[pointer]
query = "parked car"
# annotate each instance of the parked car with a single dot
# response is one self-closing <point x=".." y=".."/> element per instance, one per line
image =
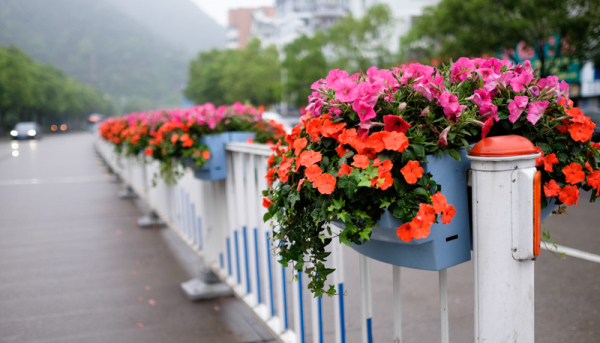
<point x="27" y="130"/>
<point x="594" y="114"/>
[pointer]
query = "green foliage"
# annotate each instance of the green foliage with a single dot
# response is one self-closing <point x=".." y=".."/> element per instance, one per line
<point x="457" y="28"/>
<point x="226" y="76"/>
<point x="41" y="92"/>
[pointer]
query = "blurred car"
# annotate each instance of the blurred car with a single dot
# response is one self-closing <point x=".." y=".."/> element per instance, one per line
<point x="594" y="114"/>
<point x="26" y="130"/>
<point x="288" y="121"/>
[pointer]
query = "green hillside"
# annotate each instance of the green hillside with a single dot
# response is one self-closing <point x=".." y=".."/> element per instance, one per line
<point x="102" y="45"/>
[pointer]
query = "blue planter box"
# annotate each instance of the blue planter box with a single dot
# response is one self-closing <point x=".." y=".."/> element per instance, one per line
<point x="216" y="168"/>
<point x="446" y="245"/>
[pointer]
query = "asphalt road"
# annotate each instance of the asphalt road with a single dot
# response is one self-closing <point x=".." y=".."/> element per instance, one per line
<point x="75" y="268"/>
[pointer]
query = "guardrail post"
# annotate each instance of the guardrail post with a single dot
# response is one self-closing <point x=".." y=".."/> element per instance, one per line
<point x="503" y="170"/>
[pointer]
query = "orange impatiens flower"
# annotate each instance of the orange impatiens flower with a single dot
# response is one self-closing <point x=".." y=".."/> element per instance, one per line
<point x="284" y="168"/>
<point x="412" y="172"/>
<point x="588" y="167"/>
<point x="574" y="173"/>
<point x="551" y="189"/>
<point x="314" y="128"/>
<point x="360" y="161"/>
<point x="271" y="160"/>
<point x="341" y="151"/>
<point x="376" y="141"/>
<point x="325" y="183"/>
<point x="313" y="172"/>
<point x="404" y="232"/>
<point x="206" y="154"/>
<point x="300" y="184"/>
<point x="174" y="138"/>
<point x="267" y="202"/>
<point x="448" y="214"/>
<point x="148" y="151"/>
<point x="299" y="144"/>
<point x="426" y="213"/>
<point x="540" y="160"/>
<point x="396" y="141"/>
<point x="420" y="228"/>
<point x="439" y="202"/>
<point x="271" y="177"/>
<point x="388" y="181"/>
<point x="569" y="195"/>
<point x="548" y="161"/>
<point x="582" y="132"/>
<point x="345" y="170"/>
<point x="331" y="129"/>
<point x="187" y="141"/>
<point x="309" y="157"/>
<point x="594" y="180"/>
<point x="347" y="136"/>
<point x="384" y="166"/>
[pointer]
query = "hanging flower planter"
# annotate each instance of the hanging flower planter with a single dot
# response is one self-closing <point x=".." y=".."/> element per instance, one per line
<point x="446" y="245"/>
<point x="216" y="165"/>
<point x="384" y="153"/>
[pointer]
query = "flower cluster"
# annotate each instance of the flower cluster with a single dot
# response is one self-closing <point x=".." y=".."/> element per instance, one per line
<point x="172" y="135"/>
<point x="360" y="149"/>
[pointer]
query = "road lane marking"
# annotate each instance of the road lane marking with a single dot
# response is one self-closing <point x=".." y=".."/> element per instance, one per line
<point x="572" y="252"/>
<point x="80" y="179"/>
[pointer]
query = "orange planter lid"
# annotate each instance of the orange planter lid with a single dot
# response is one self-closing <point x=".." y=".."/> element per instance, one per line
<point x="511" y="145"/>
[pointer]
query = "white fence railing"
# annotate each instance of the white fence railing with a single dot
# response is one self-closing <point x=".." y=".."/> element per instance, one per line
<point x="222" y="222"/>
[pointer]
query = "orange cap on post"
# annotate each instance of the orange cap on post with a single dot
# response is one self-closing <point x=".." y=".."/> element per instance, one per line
<point x="502" y="146"/>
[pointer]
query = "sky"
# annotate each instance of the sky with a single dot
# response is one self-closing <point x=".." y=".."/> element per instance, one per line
<point x="219" y="9"/>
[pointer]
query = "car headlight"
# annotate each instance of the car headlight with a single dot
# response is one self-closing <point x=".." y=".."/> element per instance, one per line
<point x="31" y="132"/>
<point x="14" y="133"/>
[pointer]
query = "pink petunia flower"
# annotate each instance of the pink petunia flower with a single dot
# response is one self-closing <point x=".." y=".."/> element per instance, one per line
<point x="364" y="92"/>
<point x="536" y="110"/>
<point x="521" y="82"/>
<point x="335" y="75"/>
<point x="516" y="107"/>
<point x="452" y="108"/>
<point x="344" y="90"/>
<point x="364" y="110"/>
<point x="461" y="69"/>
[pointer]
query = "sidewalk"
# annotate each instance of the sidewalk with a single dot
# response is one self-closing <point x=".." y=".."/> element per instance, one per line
<point x="74" y="267"/>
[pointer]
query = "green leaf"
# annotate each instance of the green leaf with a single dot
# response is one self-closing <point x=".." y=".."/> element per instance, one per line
<point x="407" y="155"/>
<point x="419" y="150"/>
<point x="364" y="183"/>
<point x="348" y="185"/>
<point x="267" y="216"/>
<point x="454" y="154"/>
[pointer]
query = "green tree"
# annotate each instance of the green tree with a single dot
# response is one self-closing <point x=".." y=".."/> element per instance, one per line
<point x="226" y="76"/>
<point x="358" y="44"/>
<point x="305" y="63"/>
<point x="456" y="28"/>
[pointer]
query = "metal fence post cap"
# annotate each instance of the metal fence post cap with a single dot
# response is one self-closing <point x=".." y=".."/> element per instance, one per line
<point x="503" y="146"/>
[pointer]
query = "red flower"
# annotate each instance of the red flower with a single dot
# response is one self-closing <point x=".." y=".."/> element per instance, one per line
<point x="384" y="166"/>
<point x="393" y="123"/>
<point x="439" y="202"/>
<point x="569" y="195"/>
<point x="331" y="129"/>
<point x="376" y="141"/>
<point x="551" y="189"/>
<point x="271" y="160"/>
<point x="206" y="154"/>
<point x="361" y="161"/>
<point x="345" y="170"/>
<point x="588" y="167"/>
<point x="341" y="151"/>
<point x="404" y="232"/>
<point x="325" y="183"/>
<point x="309" y="157"/>
<point x="549" y="160"/>
<point x="582" y="129"/>
<point x="412" y="172"/>
<point x="313" y="172"/>
<point x="174" y="138"/>
<point x="249" y="140"/>
<point x="420" y="228"/>
<point x="148" y="151"/>
<point x="300" y="184"/>
<point x="539" y="160"/>
<point x="187" y="141"/>
<point x="396" y="141"/>
<point x="388" y="181"/>
<point x="448" y="214"/>
<point x="300" y="144"/>
<point x="573" y="173"/>
<point x="486" y="127"/>
<point x="347" y="136"/>
<point x="426" y="213"/>
<point x="314" y="128"/>
<point x="267" y="202"/>
<point x="594" y="180"/>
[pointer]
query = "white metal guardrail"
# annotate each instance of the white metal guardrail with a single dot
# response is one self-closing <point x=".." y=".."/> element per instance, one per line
<point x="222" y="222"/>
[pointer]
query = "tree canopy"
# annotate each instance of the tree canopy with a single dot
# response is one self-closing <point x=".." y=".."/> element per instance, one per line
<point x="226" y="76"/>
<point x="456" y="28"/>
<point x="32" y="91"/>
